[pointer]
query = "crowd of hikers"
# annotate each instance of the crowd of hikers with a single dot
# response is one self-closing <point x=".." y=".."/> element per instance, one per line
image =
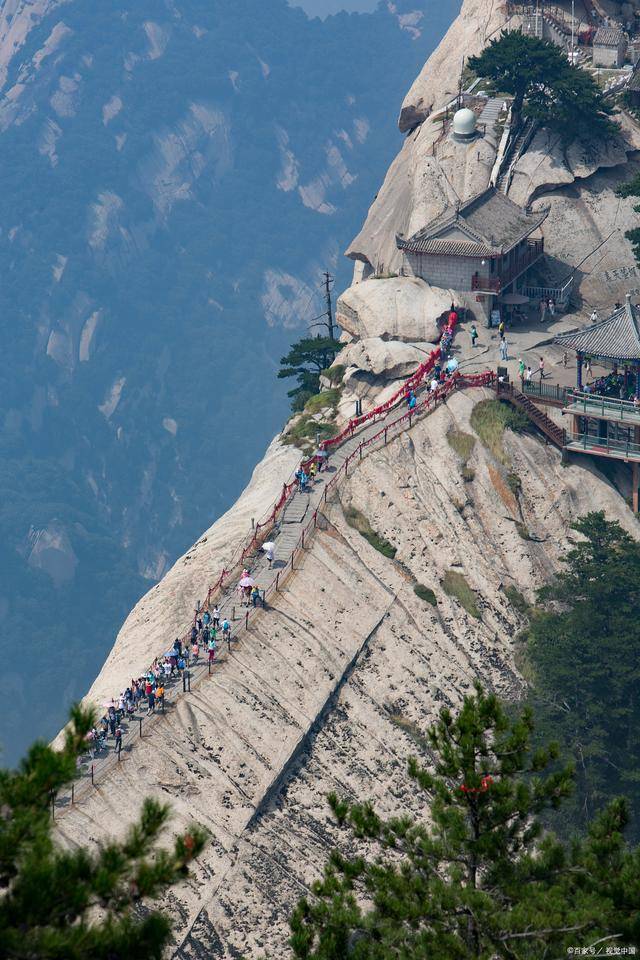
<point x="146" y="694"/>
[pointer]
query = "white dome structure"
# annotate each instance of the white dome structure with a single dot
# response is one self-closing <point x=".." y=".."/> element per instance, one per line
<point x="464" y="124"/>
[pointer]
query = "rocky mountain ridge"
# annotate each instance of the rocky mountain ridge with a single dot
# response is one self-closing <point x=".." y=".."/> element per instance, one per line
<point x="333" y="683"/>
<point x="198" y="134"/>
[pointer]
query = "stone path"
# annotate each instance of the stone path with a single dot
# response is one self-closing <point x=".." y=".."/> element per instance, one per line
<point x="491" y="112"/>
<point x="286" y="537"/>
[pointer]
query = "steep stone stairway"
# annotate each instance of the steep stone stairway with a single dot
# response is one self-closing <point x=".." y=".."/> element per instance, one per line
<point x="504" y="179"/>
<point x="551" y="430"/>
<point x="491" y="112"/>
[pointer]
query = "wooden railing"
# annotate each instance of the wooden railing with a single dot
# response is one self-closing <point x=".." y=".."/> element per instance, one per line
<point x="550" y="429"/>
<point x="534" y="250"/>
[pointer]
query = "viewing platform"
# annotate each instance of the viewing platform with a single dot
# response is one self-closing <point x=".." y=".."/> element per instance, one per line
<point x="624" y="450"/>
<point x="601" y="408"/>
<point x="582" y="404"/>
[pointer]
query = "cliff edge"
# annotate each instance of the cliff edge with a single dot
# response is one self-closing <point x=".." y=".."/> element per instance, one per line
<point x="329" y="685"/>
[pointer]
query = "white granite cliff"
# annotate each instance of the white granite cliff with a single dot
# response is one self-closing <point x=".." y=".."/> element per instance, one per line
<point x="309" y="701"/>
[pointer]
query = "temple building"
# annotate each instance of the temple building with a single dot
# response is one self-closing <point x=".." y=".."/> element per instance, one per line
<point x="482" y="246"/>
<point x="605" y="411"/>
<point x="609" y="47"/>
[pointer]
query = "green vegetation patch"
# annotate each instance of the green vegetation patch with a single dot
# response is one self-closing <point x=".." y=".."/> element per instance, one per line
<point x="410" y="727"/>
<point x="490" y="418"/>
<point x="468" y="474"/>
<point x="455" y="585"/>
<point x="463" y="443"/>
<point x="514" y="483"/>
<point x="328" y="398"/>
<point x="304" y="431"/>
<point x="523" y="531"/>
<point x="356" y="519"/>
<point x="516" y="599"/>
<point x="425" y="593"/>
<point x="335" y="373"/>
<point x="583" y="648"/>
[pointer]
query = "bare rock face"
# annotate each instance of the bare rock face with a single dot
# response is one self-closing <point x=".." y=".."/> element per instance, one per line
<point x="548" y="163"/>
<point x="437" y="82"/>
<point x="586" y="229"/>
<point x="398" y="308"/>
<point x="389" y="359"/>
<point x="166" y="610"/>
<point x="52" y="552"/>
<point x="430" y="173"/>
<point x="309" y="702"/>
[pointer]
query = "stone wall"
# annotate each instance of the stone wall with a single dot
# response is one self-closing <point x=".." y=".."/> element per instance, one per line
<point x="442" y="271"/>
<point x="608" y="56"/>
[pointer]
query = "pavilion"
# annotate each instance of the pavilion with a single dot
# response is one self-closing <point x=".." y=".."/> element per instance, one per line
<point x="615" y="343"/>
<point x="605" y="413"/>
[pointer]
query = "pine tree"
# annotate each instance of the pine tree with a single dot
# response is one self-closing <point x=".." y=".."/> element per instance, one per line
<point x="545" y="85"/>
<point x="478" y="878"/>
<point x="583" y="644"/>
<point x="80" y="904"/>
<point x="305" y="361"/>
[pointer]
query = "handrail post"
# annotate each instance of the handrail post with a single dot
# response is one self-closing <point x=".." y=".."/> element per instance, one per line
<point x="92" y="780"/>
<point x="246" y="620"/>
<point x="140" y="731"/>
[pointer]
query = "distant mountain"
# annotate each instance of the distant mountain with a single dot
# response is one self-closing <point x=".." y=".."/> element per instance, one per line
<point x="175" y="176"/>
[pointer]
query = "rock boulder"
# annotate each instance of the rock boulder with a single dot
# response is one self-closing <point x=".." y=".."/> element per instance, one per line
<point x="388" y="359"/>
<point x="398" y="308"/>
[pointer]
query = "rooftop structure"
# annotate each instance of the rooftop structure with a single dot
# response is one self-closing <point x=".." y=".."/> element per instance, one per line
<point x="608" y="37"/>
<point x="615" y="339"/>
<point x="605" y="412"/>
<point x="487" y="225"/>
<point x="609" y="47"/>
<point x="481" y="245"/>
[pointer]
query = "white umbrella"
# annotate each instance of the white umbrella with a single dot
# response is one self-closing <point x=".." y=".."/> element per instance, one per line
<point x="247" y="582"/>
<point x="268" y="546"/>
<point x="514" y="298"/>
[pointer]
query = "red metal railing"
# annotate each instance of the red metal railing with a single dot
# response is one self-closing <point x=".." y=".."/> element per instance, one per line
<point x="263" y="528"/>
<point x="389" y="431"/>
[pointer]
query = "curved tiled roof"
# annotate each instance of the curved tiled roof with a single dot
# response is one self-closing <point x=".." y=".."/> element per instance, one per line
<point x="453" y="248"/>
<point x="490" y="225"/>
<point x="616" y="338"/>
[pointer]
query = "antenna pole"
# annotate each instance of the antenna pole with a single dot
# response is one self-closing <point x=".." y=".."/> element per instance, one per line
<point x="328" y="280"/>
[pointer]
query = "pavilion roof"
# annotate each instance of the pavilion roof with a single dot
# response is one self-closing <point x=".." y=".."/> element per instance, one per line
<point x="607" y="37"/>
<point x="616" y="338"/>
<point x="487" y="225"/>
